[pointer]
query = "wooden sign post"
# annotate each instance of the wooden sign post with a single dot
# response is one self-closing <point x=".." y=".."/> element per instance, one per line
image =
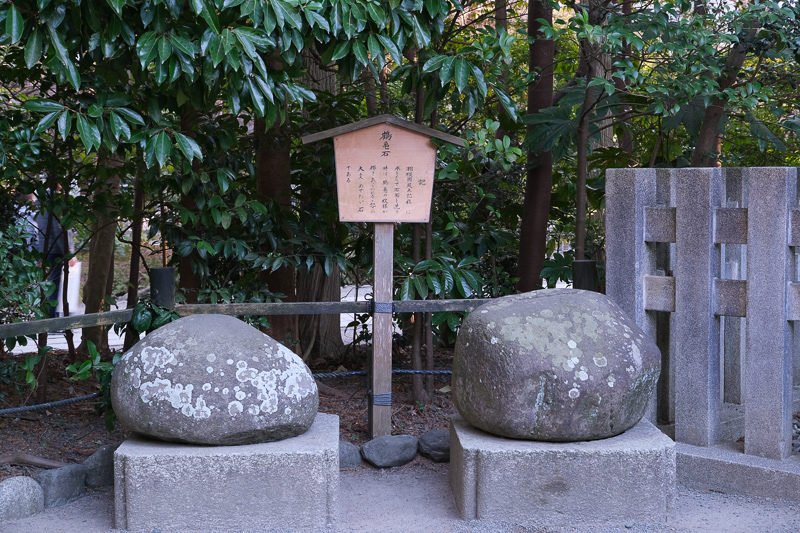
<point x="384" y="174"/>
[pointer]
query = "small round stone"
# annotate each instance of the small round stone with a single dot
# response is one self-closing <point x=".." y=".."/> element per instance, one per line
<point x="169" y="386"/>
<point x="559" y="365"/>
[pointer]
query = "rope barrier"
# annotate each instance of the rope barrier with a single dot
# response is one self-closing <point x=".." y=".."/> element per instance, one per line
<point x="60" y="403"/>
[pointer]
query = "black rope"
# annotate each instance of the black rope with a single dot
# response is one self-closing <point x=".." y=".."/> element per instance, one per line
<point x="61" y="403"/>
<point x="428" y="372"/>
<point x="47" y="405"/>
<point x="340" y="374"/>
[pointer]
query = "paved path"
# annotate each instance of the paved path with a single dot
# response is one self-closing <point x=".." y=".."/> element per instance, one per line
<point x="417" y="498"/>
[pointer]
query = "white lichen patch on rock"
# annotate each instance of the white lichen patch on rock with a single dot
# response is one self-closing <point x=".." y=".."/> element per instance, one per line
<point x="154" y="357"/>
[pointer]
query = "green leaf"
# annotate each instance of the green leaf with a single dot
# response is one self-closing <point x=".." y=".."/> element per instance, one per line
<point x="315" y="19"/>
<point x="131" y="116"/>
<point x="209" y="14"/>
<point x="376" y="13"/>
<point x="392" y="48"/>
<point x="141" y="317"/>
<point x="64" y="124"/>
<point x="164" y="49"/>
<point x="226" y="220"/>
<point x="117" y="6"/>
<point x="507" y="104"/>
<point x="188" y="147"/>
<point x="434" y="63"/>
<point x="421" y="286"/>
<point x="42" y="106"/>
<point x="46" y="122"/>
<point x="119" y="127"/>
<point x="256" y="97"/>
<point x="162" y="147"/>
<point x="33" y="48"/>
<point x="406" y="290"/>
<point x="462" y="285"/>
<point x="216" y="50"/>
<point x="341" y="50"/>
<point x="90" y="135"/>
<point x="433" y="7"/>
<point x="145" y="48"/>
<point x="72" y="75"/>
<point x="473" y="279"/>
<point x="421" y="33"/>
<point x="184" y="45"/>
<point x="480" y="80"/>
<point x="15" y="24"/>
<point x="461" y="72"/>
<point x="63" y="56"/>
<point x="285" y="12"/>
<point x="434" y="283"/>
<point x="360" y="52"/>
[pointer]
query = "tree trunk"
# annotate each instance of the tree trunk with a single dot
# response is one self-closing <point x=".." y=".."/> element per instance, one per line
<point x="274" y="182"/>
<point x="538" y="187"/>
<point x="101" y="266"/>
<point x="708" y="139"/>
<point x="188" y="280"/>
<point x="706" y="151"/>
<point x="319" y="335"/>
<point x="582" y="171"/>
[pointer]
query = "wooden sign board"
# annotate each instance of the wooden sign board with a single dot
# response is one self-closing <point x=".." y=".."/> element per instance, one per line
<point x="384" y="173"/>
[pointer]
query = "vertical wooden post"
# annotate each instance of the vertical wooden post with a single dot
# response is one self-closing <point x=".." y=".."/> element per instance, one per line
<point x="380" y="401"/>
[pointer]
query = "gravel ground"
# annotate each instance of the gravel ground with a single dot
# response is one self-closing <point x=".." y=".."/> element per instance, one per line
<point x="417" y="498"/>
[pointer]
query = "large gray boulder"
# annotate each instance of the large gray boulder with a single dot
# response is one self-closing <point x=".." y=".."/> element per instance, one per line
<point x="559" y="365"/>
<point x="214" y="380"/>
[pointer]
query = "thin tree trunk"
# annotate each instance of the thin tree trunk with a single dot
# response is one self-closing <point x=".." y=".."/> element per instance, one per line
<point x="582" y="171"/>
<point x="101" y="266"/>
<point x="189" y="280"/>
<point x="705" y="152"/>
<point x="131" y="336"/>
<point x="536" y="206"/>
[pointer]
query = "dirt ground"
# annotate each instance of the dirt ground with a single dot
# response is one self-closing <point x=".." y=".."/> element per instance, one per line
<point x="70" y="433"/>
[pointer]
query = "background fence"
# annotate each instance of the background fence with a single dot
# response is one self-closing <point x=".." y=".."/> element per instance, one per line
<point x="705" y="259"/>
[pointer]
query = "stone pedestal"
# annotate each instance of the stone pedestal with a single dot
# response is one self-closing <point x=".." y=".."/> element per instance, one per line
<point x="291" y="484"/>
<point x="627" y="478"/>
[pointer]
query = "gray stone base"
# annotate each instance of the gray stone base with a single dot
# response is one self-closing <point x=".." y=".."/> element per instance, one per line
<point x="292" y="483"/>
<point x="725" y="468"/>
<point x="628" y="478"/>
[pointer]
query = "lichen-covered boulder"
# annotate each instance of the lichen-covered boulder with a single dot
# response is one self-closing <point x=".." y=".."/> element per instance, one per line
<point x="559" y="365"/>
<point x="212" y="379"/>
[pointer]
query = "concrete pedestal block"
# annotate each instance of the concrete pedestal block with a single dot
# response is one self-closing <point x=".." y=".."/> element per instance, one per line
<point x="292" y="483"/>
<point x="627" y="478"/>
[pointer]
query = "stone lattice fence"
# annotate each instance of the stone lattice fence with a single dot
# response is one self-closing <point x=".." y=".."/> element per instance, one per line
<point x="705" y="260"/>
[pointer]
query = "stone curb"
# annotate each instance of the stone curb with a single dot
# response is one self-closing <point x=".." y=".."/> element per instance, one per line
<point x="57" y="486"/>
